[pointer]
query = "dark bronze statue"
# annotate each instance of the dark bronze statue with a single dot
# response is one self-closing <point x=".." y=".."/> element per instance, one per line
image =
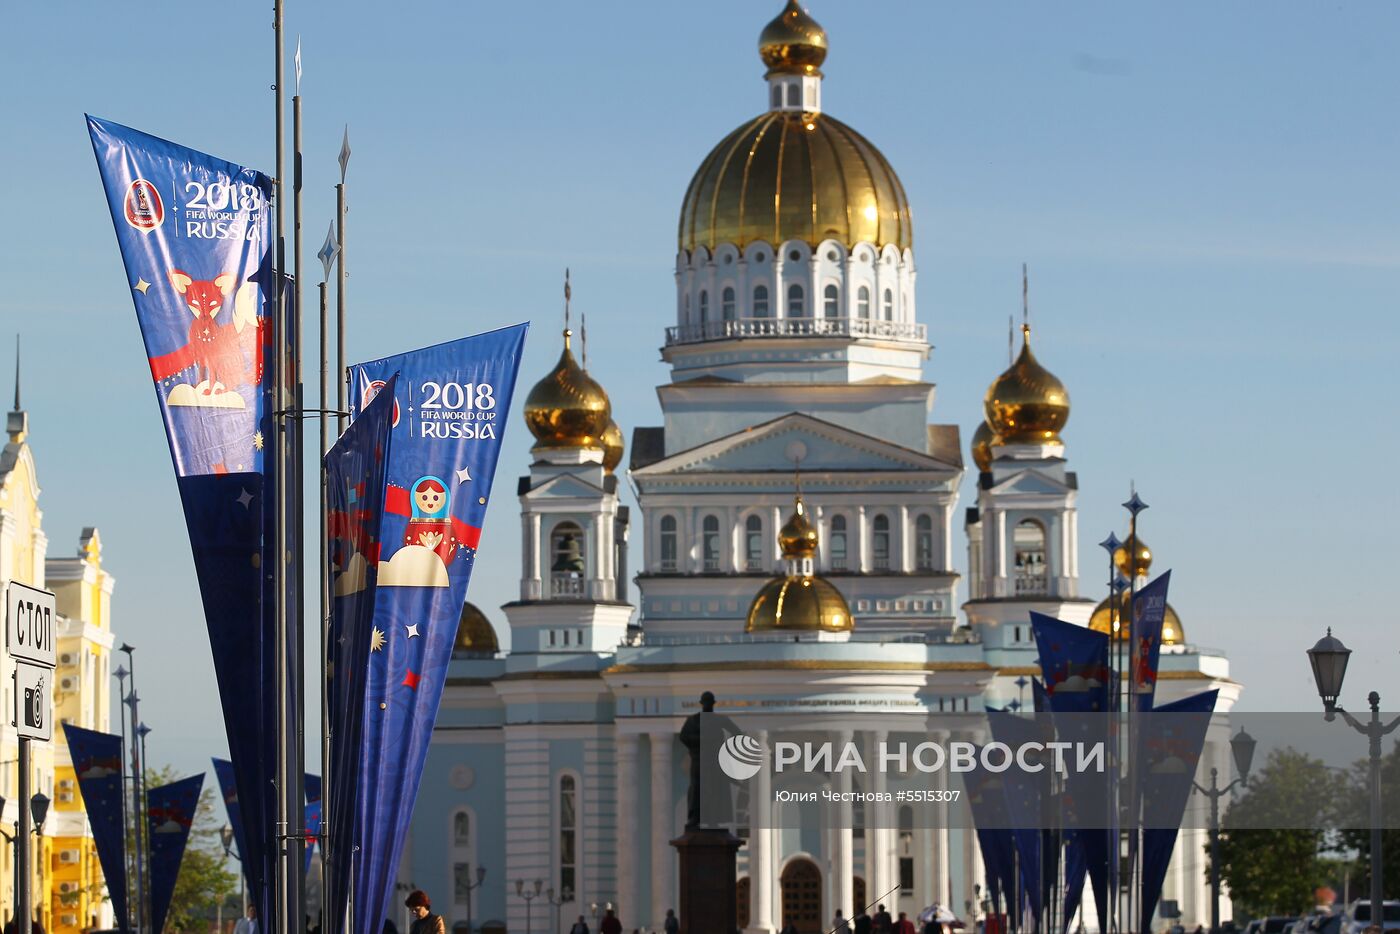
<point x="690" y="739"/>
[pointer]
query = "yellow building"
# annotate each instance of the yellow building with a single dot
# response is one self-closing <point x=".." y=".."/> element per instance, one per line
<point x="69" y="893"/>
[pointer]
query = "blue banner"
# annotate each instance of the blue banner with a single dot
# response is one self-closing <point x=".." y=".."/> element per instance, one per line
<point x="1074" y="664"/>
<point x="97" y="762"/>
<point x="1149" y="607"/>
<point x="451" y="409"/>
<point x="1172" y="746"/>
<point x="355" y="472"/>
<point x="170" y="813"/>
<point x="194" y="236"/>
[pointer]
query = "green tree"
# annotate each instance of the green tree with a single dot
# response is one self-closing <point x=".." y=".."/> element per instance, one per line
<point x="205" y="880"/>
<point x="1354" y="814"/>
<point x="1273" y="841"/>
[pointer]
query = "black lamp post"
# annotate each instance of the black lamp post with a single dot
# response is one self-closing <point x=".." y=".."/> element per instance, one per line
<point x="480" y="878"/>
<point x="1329" y="664"/>
<point x="565" y="896"/>
<point x="38" y="810"/>
<point x="529" y="896"/>
<point x="1242" y="750"/>
<point x="226" y="838"/>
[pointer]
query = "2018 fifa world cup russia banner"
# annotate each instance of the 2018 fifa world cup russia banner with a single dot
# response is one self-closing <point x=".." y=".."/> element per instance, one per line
<point x="451" y="408"/>
<point x="194" y="235"/>
<point x="97" y="762"/>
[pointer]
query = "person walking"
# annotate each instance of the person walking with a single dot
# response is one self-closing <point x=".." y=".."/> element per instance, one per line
<point x="580" y="926"/>
<point x="672" y="924"/>
<point x="884" y="924"/>
<point x="609" y="924"/>
<point x="862" y="923"/>
<point x="902" y="926"/>
<point x="248" y="924"/>
<point x="424" y="921"/>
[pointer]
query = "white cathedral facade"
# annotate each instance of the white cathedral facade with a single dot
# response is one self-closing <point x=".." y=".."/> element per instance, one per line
<point x="797" y="353"/>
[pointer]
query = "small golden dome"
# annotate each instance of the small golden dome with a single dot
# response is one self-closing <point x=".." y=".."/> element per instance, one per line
<point x="1141" y="560"/>
<point x="799" y="604"/>
<point x="982" y="440"/>
<point x="1027" y="404"/>
<point x="798" y="537"/>
<point x="568" y="409"/>
<point x="1102" y="621"/>
<point x="791" y="176"/>
<point x="475" y="635"/>
<point x="612" y="446"/>
<point x="793" y="43"/>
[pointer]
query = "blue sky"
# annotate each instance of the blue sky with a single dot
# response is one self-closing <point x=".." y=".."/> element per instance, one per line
<point x="1205" y="195"/>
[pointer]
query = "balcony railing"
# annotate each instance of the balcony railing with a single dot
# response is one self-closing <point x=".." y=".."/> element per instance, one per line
<point x="744" y="328"/>
<point x="1031" y="585"/>
<point x="566" y="586"/>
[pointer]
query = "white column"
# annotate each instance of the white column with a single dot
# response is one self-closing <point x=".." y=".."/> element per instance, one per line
<point x="1001" y="550"/>
<point x="761" y="881"/>
<point x="862" y="552"/>
<point x="879" y="833"/>
<point x="906" y="563"/>
<point x="662" y="853"/>
<point x="535" y="587"/>
<point x="942" y="881"/>
<point x="843" y="852"/>
<point x="628" y="747"/>
<point x="974" y="873"/>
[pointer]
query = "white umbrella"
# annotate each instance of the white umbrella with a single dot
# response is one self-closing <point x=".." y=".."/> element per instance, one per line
<point x="937" y="914"/>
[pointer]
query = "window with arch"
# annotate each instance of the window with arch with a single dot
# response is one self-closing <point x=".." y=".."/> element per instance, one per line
<point x="568" y="566"/>
<point x="880" y="543"/>
<point x="888" y="310"/>
<point x="709" y="542"/>
<point x="797" y="301"/>
<point x="668" y="543"/>
<point x="753" y="543"/>
<point x="760" y="301"/>
<point x="777" y="95"/>
<point x="726" y="303"/>
<point x="794" y="95"/>
<point x="831" y="302"/>
<point x="1028" y="539"/>
<point x="704" y="306"/>
<point x="863" y="302"/>
<point x="837" y="549"/>
<point x="923" y="543"/>
<point x="568" y="834"/>
<point x="461" y="829"/>
<point x="906" y="849"/>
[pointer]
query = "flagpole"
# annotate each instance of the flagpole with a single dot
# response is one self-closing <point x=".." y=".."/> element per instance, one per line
<point x="340" y="283"/>
<point x="327" y="257"/>
<point x="297" y="652"/>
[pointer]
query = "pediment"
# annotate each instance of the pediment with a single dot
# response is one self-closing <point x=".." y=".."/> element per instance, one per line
<point x="564" y="486"/>
<point x="774" y="445"/>
<point x="1031" y="483"/>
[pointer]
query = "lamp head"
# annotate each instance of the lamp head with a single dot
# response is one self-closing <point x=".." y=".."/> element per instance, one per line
<point x="226" y="837"/>
<point x="39" y="808"/>
<point x="519" y="886"/>
<point x="1242" y="749"/>
<point x="1329" y="664"/>
<point x="539" y="884"/>
<point x="480" y="874"/>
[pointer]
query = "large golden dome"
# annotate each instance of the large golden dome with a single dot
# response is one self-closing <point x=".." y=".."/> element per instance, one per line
<point x="982" y="440"/>
<point x="567" y="409"/>
<point x="800" y="601"/>
<point x="793" y="43"/>
<point x="612" y="446"/>
<point x="475" y="634"/>
<point x="1027" y="404"/>
<point x="792" y="176"/>
<point x="1102" y="621"/>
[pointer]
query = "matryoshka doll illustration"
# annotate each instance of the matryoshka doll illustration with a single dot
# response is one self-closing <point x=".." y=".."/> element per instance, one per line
<point x="430" y="524"/>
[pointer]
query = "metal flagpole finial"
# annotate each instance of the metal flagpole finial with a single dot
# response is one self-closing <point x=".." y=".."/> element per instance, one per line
<point x="568" y="294"/>
<point x="1111" y="544"/>
<point x="1135" y="505"/>
<point x="1121" y="583"/>
<point x="296" y="62"/>
<point x="328" y="252"/>
<point x="344" y="153"/>
<point x="1025" y="297"/>
<point x="143" y="730"/>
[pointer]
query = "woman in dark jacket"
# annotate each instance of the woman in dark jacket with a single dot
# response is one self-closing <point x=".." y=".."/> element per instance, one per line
<point x="424" y="921"/>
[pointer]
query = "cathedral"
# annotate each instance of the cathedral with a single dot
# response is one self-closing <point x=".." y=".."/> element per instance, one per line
<point x="795" y="555"/>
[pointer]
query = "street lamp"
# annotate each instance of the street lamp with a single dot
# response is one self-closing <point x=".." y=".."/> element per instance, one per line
<point x="226" y="838"/>
<point x="480" y="878"/>
<point x="522" y="892"/>
<point x="1329" y="664"/>
<point x="567" y="895"/>
<point x="1242" y="751"/>
<point x="38" y="809"/>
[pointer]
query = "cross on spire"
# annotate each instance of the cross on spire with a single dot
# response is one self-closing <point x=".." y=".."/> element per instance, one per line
<point x="16" y="408"/>
<point x="568" y="294"/>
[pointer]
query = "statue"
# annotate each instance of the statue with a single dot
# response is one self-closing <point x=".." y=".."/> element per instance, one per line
<point x="690" y="739"/>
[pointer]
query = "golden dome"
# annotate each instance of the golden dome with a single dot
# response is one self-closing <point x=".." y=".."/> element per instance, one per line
<point x="799" y="604"/>
<point x="793" y="43"/>
<point x="567" y="409"/>
<point x="474" y="633"/>
<point x="982" y="440"/>
<point x="1027" y="404"/>
<point x="798" y="537"/>
<point x="612" y="446"/>
<point x="1101" y="621"/>
<point x="790" y="176"/>
<point x="1142" y="557"/>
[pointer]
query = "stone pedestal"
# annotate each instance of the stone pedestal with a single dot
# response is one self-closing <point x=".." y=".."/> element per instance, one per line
<point x="707" y="896"/>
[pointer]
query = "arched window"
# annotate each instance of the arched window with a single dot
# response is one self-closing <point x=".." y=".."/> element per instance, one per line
<point x="831" y="302"/>
<point x="704" y="306"/>
<point x="838" y="543"/>
<point x="880" y="543"/>
<point x="906" y="850"/>
<point x="568" y="836"/>
<point x="760" y="301"/>
<point x="797" y="302"/>
<point x="709" y="542"/>
<point x="726" y="305"/>
<point x="753" y="543"/>
<point x="668" y="543"/>
<point x="1029" y="541"/>
<point x="461" y="829"/>
<point x="777" y="95"/>
<point x="863" y="302"/>
<point x="923" y="543"/>
<point x="794" y="95"/>
<point x="889" y="305"/>
<point x="568" y="566"/>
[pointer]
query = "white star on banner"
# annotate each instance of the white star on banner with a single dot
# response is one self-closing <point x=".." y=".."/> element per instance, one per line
<point x="412" y="631"/>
